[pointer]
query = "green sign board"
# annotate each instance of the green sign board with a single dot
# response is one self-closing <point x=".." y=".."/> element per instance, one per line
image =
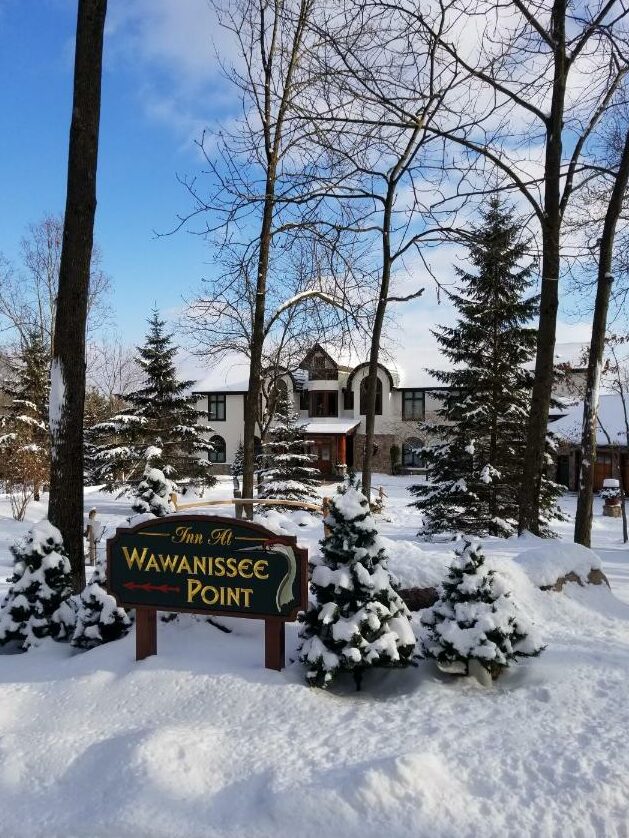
<point x="207" y="564"/>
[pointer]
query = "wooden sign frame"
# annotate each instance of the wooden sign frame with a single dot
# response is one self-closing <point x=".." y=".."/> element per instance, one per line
<point x="274" y="624"/>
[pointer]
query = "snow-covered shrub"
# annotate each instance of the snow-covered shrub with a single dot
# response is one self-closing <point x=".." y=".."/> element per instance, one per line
<point x="99" y="619"/>
<point x="475" y="620"/>
<point x="153" y="493"/>
<point x="37" y="603"/>
<point x="358" y="619"/>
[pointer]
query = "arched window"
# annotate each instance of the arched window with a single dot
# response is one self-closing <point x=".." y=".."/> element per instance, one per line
<point x="411" y="456"/>
<point x="363" y="397"/>
<point x="219" y="452"/>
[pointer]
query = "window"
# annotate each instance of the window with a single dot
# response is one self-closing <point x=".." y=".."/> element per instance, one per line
<point x="216" y="407"/>
<point x="304" y="400"/>
<point x="363" y="397"/>
<point x="411" y="456"/>
<point x="219" y="452"/>
<point x="413" y="404"/>
<point x="324" y="403"/>
<point x="348" y="399"/>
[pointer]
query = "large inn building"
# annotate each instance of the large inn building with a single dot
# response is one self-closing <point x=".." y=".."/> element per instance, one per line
<point x="330" y="398"/>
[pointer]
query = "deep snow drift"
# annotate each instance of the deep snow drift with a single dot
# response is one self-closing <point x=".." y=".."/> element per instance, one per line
<point x="203" y="741"/>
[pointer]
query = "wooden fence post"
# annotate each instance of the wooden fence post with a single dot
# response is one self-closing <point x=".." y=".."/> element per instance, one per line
<point x="91" y="536"/>
<point x="325" y="508"/>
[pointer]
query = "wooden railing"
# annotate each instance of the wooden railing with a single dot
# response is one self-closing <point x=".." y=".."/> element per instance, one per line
<point x="298" y="504"/>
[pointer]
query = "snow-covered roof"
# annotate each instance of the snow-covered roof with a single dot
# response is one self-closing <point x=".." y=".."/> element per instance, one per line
<point x="574" y="354"/>
<point x="211" y="385"/>
<point x="611" y="418"/>
<point x="328" y="426"/>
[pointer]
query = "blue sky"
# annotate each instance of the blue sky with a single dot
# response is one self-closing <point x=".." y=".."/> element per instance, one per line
<point x="147" y="131"/>
<point x="161" y="86"/>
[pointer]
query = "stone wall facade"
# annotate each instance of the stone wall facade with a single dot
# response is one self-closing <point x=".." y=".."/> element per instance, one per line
<point x="381" y="460"/>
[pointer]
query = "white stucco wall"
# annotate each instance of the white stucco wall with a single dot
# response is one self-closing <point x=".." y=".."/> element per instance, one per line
<point x="231" y="429"/>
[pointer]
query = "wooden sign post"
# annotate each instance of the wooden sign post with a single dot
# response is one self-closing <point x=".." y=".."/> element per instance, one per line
<point x="204" y="564"/>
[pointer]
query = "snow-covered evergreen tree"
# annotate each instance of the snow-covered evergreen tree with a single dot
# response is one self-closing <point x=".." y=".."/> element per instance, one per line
<point x="153" y="492"/>
<point x="475" y="619"/>
<point x="24" y="436"/>
<point x="475" y="450"/>
<point x="161" y="414"/>
<point x="36" y="604"/>
<point x="357" y="620"/>
<point x="99" y="619"/>
<point x="290" y="472"/>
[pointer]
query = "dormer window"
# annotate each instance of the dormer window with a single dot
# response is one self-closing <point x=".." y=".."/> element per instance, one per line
<point x="320" y="365"/>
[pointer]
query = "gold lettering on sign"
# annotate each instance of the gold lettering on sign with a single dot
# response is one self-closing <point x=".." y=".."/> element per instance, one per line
<point x="135" y="558"/>
<point x="221" y="536"/>
<point x="186" y="535"/>
<point x="212" y="595"/>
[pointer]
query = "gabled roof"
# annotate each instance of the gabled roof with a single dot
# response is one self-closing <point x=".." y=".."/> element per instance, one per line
<point x="317" y="348"/>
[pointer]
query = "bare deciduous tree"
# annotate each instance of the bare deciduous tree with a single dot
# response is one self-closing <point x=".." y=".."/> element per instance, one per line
<point x="28" y="297"/>
<point x="549" y="71"/>
<point x="583" y="519"/>
<point x="112" y="369"/>
<point x="261" y="198"/>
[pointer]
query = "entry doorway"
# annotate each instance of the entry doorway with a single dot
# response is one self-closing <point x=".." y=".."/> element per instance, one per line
<point x="324" y="449"/>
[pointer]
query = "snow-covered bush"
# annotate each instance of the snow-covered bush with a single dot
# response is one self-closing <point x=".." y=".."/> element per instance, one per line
<point x="475" y="620"/>
<point x="37" y="603"/>
<point x="153" y="493"/>
<point x="99" y="619"/>
<point x="358" y="619"/>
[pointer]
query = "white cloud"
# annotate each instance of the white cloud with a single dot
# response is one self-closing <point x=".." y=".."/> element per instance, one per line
<point x="169" y="50"/>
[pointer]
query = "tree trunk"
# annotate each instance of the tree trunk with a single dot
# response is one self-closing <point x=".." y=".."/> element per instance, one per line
<point x="68" y="361"/>
<point x="583" y="520"/>
<point x="257" y="343"/>
<point x="534" y="459"/>
<point x="372" y="381"/>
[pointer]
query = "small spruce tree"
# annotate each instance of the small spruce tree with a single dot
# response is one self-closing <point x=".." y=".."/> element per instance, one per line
<point x="24" y="436"/>
<point x="475" y="620"/>
<point x="357" y="620"/>
<point x="290" y="472"/>
<point x="36" y="604"/>
<point x="99" y="619"/>
<point x="160" y="414"/>
<point x="476" y="447"/>
<point x="236" y="467"/>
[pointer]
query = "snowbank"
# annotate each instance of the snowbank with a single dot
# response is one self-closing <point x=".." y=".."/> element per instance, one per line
<point x="551" y="560"/>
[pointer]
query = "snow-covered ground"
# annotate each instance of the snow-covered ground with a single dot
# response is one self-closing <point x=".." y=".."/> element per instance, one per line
<point x="203" y="741"/>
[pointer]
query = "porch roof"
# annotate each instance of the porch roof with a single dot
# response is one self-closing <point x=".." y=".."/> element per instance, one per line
<point x="332" y="425"/>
